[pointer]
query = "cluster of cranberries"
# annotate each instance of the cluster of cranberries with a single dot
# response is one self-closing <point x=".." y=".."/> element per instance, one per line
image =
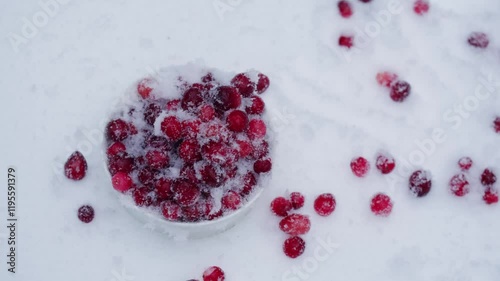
<point x="297" y="224"/>
<point x="213" y="273"/>
<point x="194" y="158"/>
<point x="459" y="183"/>
<point x="399" y="89"/>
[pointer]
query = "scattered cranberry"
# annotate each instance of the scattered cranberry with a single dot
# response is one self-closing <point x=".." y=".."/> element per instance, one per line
<point x="231" y="201"/>
<point x="121" y="182"/>
<point x="244" y="85"/>
<point x="262" y="166"/>
<point x="117" y="130"/>
<point x="121" y="162"/>
<point x="386" y="79"/>
<point x="297" y="200"/>
<point x="459" y="185"/>
<point x="75" y="167"/>
<point x="142" y="196"/>
<point x="294" y="247"/>
<point x="421" y="7"/>
<point x="360" y="166"/>
<point x="479" y="40"/>
<point x="280" y="206"/>
<point x="345" y="9"/>
<point x="214" y="273"/>
<point x="227" y="98"/>
<point x="346" y="41"/>
<point x="263" y="83"/>
<point x="237" y="121"/>
<point x="249" y="183"/>
<point x="256" y="106"/>
<point x="381" y="205"/>
<point x="171" y="127"/>
<point x="86" y="213"/>
<point x="256" y="129"/>
<point x="116" y="148"/>
<point x="490" y="196"/>
<point x="400" y="90"/>
<point x="420" y="183"/>
<point x="144" y="88"/>
<point x="325" y="204"/>
<point x="295" y="224"/>
<point x="488" y="178"/>
<point x="465" y="163"/>
<point x="385" y="164"/>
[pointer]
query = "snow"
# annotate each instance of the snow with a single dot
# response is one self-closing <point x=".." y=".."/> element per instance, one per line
<point x="325" y="109"/>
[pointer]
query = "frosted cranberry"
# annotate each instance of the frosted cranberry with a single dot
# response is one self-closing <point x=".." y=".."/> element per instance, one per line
<point x="189" y="151"/>
<point x="157" y="159"/>
<point x="346" y="41"/>
<point x="385" y="164"/>
<point x="490" y="196"/>
<point x="143" y="197"/>
<point x="117" y="130"/>
<point x="381" y="205"/>
<point x="360" y="166"/>
<point x="206" y="113"/>
<point x="400" y="91"/>
<point x="216" y="131"/>
<point x="295" y="224"/>
<point x="237" y="121"/>
<point x="207" y="78"/>
<point x="297" y="200"/>
<point x="144" y="88"/>
<point x="116" y="148"/>
<point x="191" y="128"/>
<point x="280" y="206"/>
<point x="185" y="193"/>
<point x="249" y="183"/>
<point x="245" y="148"/>
<point x="170" y="211"/>
<point x="244" y="85"/>
<point x="488" y="177"/>
<point x="171" y="127"/>
<point x="210" y="176"/>
<point x="459" y="185"/>
<point x="192" y="213"/>
<point x="479" y="40"/>
<point x="163" y="188"/>
<point x="345" y="9"/>
<point x="420" y="183"/>
<point x="386" y="79"/>
<point x="496" y="124"/>
<point x="191" y="99"/>
<point x="262" y="166"/>
<point x="262" y="83"/>
<point x="219" y="153"/>
<point x="256" y="129"/>
<point x="465" y="163"/>
<point x="213" y="273"/>
<point x="121" y="182"/>
<point x="421" y="7"/>
<point x="86" y="213"/>
<point x="256" y="105"/>
<point x="227" y="98"/>
<point x="231" y="201"/>
<point x="173" y="105"/>
<point x="261" y="150"/>
<point x="188" y="173"/>
<point x="158" y="142"/>
<point x="121" y="162"/>
<point x="151" y="112"/>
<point x="325" y="204"/>
<point x="75" y="167"/>
<point x="146" y="176"/>
<point x="294" y="247"/>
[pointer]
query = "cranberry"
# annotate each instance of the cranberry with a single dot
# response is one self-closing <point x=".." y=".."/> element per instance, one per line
<point x="146" y="176"/>
<point x="157" y="159"/>
<point x="190" y="128"/>
<point x="325" y="204"/>
<point x="75" y="167"/>
<point x="142" y="197"/>
<point x="345" y="9"/>
<point x="479" y="40"/>
<point x="346" y="41"/>
<point x="459" y="185"/>
<point x="163" y="189"/>
<point x="249" y="183"/>
<point x="420" y="183"/>
<point x="214" y="273"/>
<point x="170" y="211"/>
<point x="381" y="205"/>
<point x="261" y="149"/>
<point x="237" y="121"/>
<point x="144" y="88"/>
<point x="496" y="124"/>
<point x="117" y="130"/>
<point x="245" y="148"/>
<point x="86" y="213"/>
<point x="490" y="196"/>
<point x="171" y="127"/>
<point x="400" y="91"/>
<point x="244" y="85"/>
<point x="185" y="193"/>
<point x="231" y="200"/>
<point x="207" y="113"/>
<point x="295" y="224"/>
<point x="121" y="162"/>
<point x="385" y="164"/>
<point x="262" y="166"/>
<point x="219" y="153"/>
<point x="297" y="200"/>
<point x="189" y="151"/>
<point x="256" y="107"/>
<point x="262" y="83"/>
<point x="116" y="148"/>
<point x="227" y="98"/>
<point x="173" y="105"/>
<point x="421" y="7"/>
<point x="294" y="246"/>
<point x="488" y="177"/>
<point x="386" y="79"/>
<point x="256" y="129"/>
<point x="211" y="176"/>
<point x="465" y="163"/>
<point x="121" y="181"/>
<point x="280" y="206"/>
<point x="151" y="112"/>
<point x="188" y="173"/>
<point x="360" y="166"/>
<point x="191" y="99"/>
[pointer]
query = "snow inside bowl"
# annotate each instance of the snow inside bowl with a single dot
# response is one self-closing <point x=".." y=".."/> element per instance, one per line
<point x="188" y="150"/>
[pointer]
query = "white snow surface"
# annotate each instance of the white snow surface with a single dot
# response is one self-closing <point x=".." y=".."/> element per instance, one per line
<point x="325" y="109"/>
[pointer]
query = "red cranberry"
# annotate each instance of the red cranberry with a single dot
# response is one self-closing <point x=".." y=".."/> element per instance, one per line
<point x="207" y="78"/>
<point x="210" y="176"/>
<point x="280" y="206"/>
<point x="191" y="99"/>
<point x="75" y="167"/>
<point x="117" y="130"/>
<point x="170" y="211"/>
<point x="157" y="159"/>
<point x="262" y="83"/>
<point x="261" y="150"/>
<point x="86" y="213"/>
<point x="214" y="273"/>
<point x="146" y="176"/>
<point x="345" y="9"/>
<point x="459" y="185"/>
<point x="207" y="113"/>
<point x="295" y="224"/>
<point x="159" y="142"/>
<point x="151" y="112"/>
<point x="244" y="85"/>
<point x="346" y="41"/>
<point x="385" y="164"/>
<point x="420" y="183"/>
<point x="262" y="166"/>
<point x="185" y="193"/>
<point x="116" y="148"/>
<point x="144" y="88"/>
<point x="421" y="7"/>
<point x="121" y="182"/>
<point x="189" y="151"/>
<point x="190" y="128"/>
<point x="496" y="124"/>
<point x="488" y="177"/>
<point x="479" y="40"/>
<point x="227" y="98"/>
<point x="490" y="196"/>
<point x="121" y="162"/>
<point x="325" y="204"/>
<point x="171" y="127"/>
<point x="231" y="201"/>
<point x="297" y="200"/>
<point x="360" y="166"/>
<point x="219" y="153"/>
<point x="142" y="197"/>
<point x="163" y="189"/>
<point x="256" y="106"/>
<point x="294" y="246"/>
<point x="256" y="129"/>
<point x="173" y="105"/>
<point x="386" y="79"/>
<point x="237" y="121"/>
<point x="400" y="91"/>
<point x="465" y="163"/>
<point x="381" y="205"/>
<point x="249" y="183"/>
<point x="188" y="173"/>
<point x="245" y="148"/>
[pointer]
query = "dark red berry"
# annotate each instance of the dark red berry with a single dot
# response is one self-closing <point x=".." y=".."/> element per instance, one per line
<point x="143" y="197"/>
<point x="188" y="173"/>
<point x="75" y="167"/>
<point x="86" y="213"/>
<point x="170" y="211"/>
<point x="385" y="164"/>
<point x="245" y="148"/>
<point x="386" y="79"/>
<point x="173" y="105"/>
<point x="211" y="176"/>
<point x="420" y="183"/>
<point x="262" y="166"/>
<point x="121" y="182"/>
<point x="157" y="159"/>
<point x="360" y="166"/>
<point x="381" y="205"/>
<point x="496" y="124"/>
<point x="346" y="41"/>
<point x="244" y="85"/>
<point x="117" y="130"/>
<point x="490" y="196"/>
<point x="185" y="193"/>
<point x="479" y="40"/>
<point x="116" y="148"/>
<point x="280" y="206"/>
<point x="295" y="224"/>
<point x="189" y="151"/>
<point x="345" y="9"/>
<point x="261" y="149"/>
<point x="191" y="99"/>
<point x="190" y="128"/>
<point x="214" y="273"/>
<point x="218" y="152"/>
<point x="207" y="113"/>
<point x="172" y="128"/>
<point x="256" y="129"/>
<point x="151" y="112"/>
<point x="256" y="107"/>
<point x="262" y="83"/>
<point x="294" y="246"/>
<point x="237" y="121"/>
<point x="163" y="189"/>
<point x="465" y="163"/>
<point x="297" y="200"/>
<point x="231" y="201"/>
<point x="121" y="162"/>
<point x="249" y="182"/>
<point x="400" y="90"/>
<point x="144" y="88"/>
<point x="227" y="98"/>
<point x="459" y="185"/>
<point x="488" y="177"/>
<point x="421" y="7"/>
<point x="325" y="204"/>
<point x="146" y="176"/>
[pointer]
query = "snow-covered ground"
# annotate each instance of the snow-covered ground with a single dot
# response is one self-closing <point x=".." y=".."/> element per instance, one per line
<point x="63" y="75"/>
